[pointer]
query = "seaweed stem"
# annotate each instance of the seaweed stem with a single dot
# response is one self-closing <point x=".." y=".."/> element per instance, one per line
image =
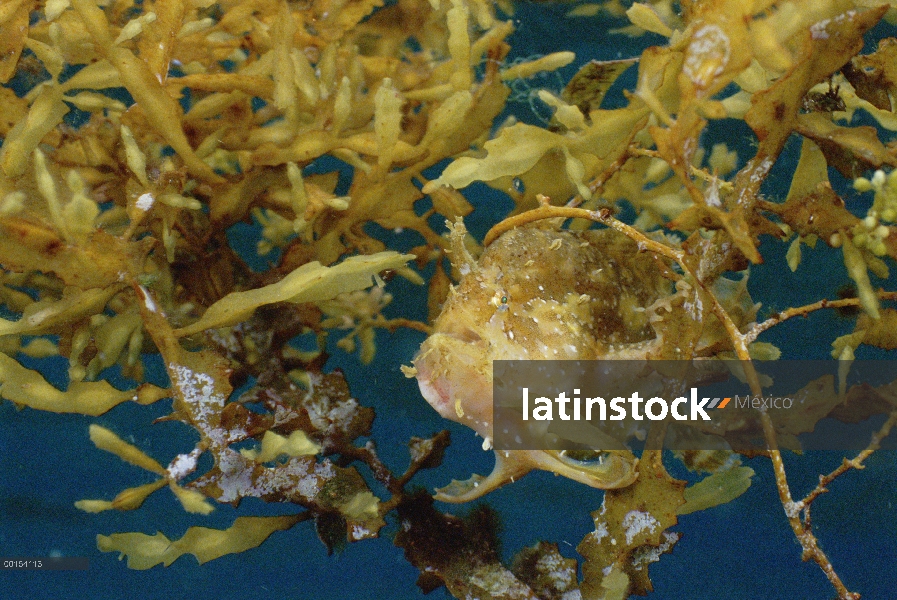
<point x="802" y="311"/>
<point x="724" y="186"/>
<point x="855" y="463"/>
<point x="808" y="541"/>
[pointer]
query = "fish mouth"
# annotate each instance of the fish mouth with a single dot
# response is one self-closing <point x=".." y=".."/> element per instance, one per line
<point x="462" y="333"/>
<point x="436" y="396"/>
<point x="452" y="378"/>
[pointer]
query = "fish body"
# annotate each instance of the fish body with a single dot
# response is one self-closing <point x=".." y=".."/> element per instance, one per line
<point x="537" y="294"/>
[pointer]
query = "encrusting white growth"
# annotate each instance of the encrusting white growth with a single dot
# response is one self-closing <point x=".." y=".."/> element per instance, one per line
<point x="537" y="294"/>
<point x="637" y="522"/>
<point x="145" y="202"/>
<point x="183" y="464"/>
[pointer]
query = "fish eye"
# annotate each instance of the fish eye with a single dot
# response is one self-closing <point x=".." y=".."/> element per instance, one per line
<point x="500" y="300"/>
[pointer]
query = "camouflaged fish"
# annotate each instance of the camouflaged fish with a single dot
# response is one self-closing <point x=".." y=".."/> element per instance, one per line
<point x="537" y="294"/>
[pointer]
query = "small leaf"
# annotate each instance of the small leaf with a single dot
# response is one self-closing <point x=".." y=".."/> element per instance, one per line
<point x="104" y="439"/>
<point x="717" y="488"/>
<point x="273" y="445"/>
<point x="129" y="499"/>
<point x="312" y="282"/>
<point x="642" y="15"/>
<point x="46" y="112"/>
<point x="49" y="315"/>
<point x="793" y="254"/>
<point x="588" y="87"/>
<point x="29" y="388"/>
<point x="857" y="270"/>
<point x="14" y="23"/>
<point x="851" y="150"/>
<point x="146" y="551"/>
<point x="191" y="500"/>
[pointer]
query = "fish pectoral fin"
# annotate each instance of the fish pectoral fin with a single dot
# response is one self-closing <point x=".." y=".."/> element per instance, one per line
<point x="612" y="470"/>
<point x="509" y="466"/>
